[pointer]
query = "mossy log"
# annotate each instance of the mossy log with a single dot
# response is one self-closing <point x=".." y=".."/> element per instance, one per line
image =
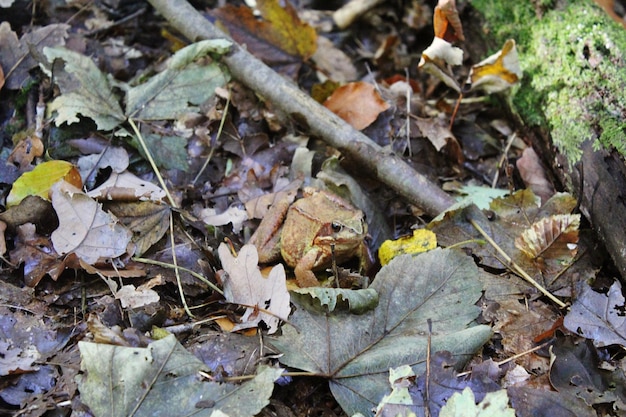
<point x="571" y="102"/>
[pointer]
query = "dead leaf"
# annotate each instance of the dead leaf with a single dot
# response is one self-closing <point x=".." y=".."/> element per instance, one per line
<point x="496" y="73"/>
<point x="26" y="151"/>
<point x="333" y="62"/>
<point x="280" y="38"/>
<point x="17" y="55"/>
<point x="357" y="103"/>
<point x="356" y="351"/>
<point x="534" y="175"/>
<point x="599" y="317"/>
<point x="111" y="156"/>
<point x="446" y="21"/>
<point x="234" y="215"/>
<point x="267" y="298"/>
<point x="127" y="186"/>
<point x="437" y="59"/>
<point x="84" y="228"/>
<point x="553" y="238"/>
<point x="148" y="221"/>
<point x="37" y="254"/>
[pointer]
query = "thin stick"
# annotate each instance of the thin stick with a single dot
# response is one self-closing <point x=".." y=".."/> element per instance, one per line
<point x="515" y="267"/>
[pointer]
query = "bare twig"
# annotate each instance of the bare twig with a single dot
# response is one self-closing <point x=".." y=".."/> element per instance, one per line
<point x="388" y="168"/>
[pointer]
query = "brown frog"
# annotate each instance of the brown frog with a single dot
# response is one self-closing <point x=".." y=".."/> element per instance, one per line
<point x="304" y="232"/>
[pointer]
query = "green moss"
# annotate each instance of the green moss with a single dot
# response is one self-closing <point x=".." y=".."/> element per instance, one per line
<point x="574" y="70"/>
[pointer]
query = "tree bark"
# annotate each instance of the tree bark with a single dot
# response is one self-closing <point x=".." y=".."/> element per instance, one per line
<point x="387" y="168"/>
<point x="572" y="98"/>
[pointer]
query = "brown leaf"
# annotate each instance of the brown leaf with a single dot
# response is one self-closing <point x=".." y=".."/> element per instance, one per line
<point x="553" y="237"/>
<point x="446" y="21"/>
<point x="37" y="254"/>
<point x="280" y="39"/>
<point x="25" y="152"/>
<point x="84" y="228"/>
<point x="127" y="187"/>
<point x="267" y="298"/>
<point x="534" y="175"/>
<point x="357" y="103"/>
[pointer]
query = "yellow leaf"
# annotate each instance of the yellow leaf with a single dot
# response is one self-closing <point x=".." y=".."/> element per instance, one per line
<point x="498" y="72"/>
<point x="39" y="180"/>
<point x="422" y="240"/>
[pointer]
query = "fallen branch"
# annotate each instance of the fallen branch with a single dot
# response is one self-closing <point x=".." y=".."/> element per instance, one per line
<point x="316" y="119"/>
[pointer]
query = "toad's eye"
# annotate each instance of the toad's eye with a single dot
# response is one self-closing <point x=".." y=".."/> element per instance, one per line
<point x="336" y="227"/>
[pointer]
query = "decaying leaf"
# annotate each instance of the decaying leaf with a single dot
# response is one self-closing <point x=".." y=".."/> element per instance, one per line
<point x="182" y="86"/>
<point x="355" y="301"/>
<point x="127" y="186"/>
<point x="358" y="103"/>
<point x="84" y="228"/>
<point x="267" y="298"/>
<point x="17" y="55"/>
<point x="576" y="368"/>
<point x="599" y="317"/>
<point x="534" y="174"/>
<point x="234" y="215"/>
<point x="26" y="151"/>
<point x="551" y="238"/>
<point x="148" y="221"/>
<point x="123" y="381"/>
<point x="37" y="254"/>
<point x="446" y="21"/>
<point x="356" y="351"/>
<point x="178" y="89"/>
<point x="495" y="404"/>
<point x="437" y="59"/>
<point x="39" y="181"/>
<point x="86" y="91"/>
<point x="496" y="73"/>
<point x="114" y="157"/>
<point x="280" y="39"/>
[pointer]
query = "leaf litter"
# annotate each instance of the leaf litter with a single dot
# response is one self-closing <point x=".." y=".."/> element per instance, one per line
<point x="424" y="318"/>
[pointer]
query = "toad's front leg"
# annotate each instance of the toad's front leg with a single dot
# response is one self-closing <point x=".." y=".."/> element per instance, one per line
<point x="303" y="270"/>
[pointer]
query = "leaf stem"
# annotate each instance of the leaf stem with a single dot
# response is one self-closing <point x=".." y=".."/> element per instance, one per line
<point x="150" y="159"/>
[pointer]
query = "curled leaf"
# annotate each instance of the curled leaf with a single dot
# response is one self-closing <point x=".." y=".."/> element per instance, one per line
<point x="447" y="22"/>
<point x="496" y="73"/>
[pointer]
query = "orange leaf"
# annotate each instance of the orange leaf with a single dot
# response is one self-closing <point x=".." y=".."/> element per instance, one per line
<point x="447" y="22"/>
<point x="281" y="39"/>
<point x="357" y="103"/>
<point x="39" y="180"/>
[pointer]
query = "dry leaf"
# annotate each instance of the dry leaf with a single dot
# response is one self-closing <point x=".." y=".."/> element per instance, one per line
<point x="496" y="73"/>
<point x="551" y="238"/>
<point x="280" y="39"/>
<point x="84" y="228"/>
<point x="37" y="254"/>
<point x="437" y="59"/>
<point x="234" y="215"/>
<point x="26" y="151"/>
<point x="534" y="175"/>
<point x="267" y="298"/>
<point x="127" y="187"/>
<point x="357" y="103"/>
<point x="446" y="21"/>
